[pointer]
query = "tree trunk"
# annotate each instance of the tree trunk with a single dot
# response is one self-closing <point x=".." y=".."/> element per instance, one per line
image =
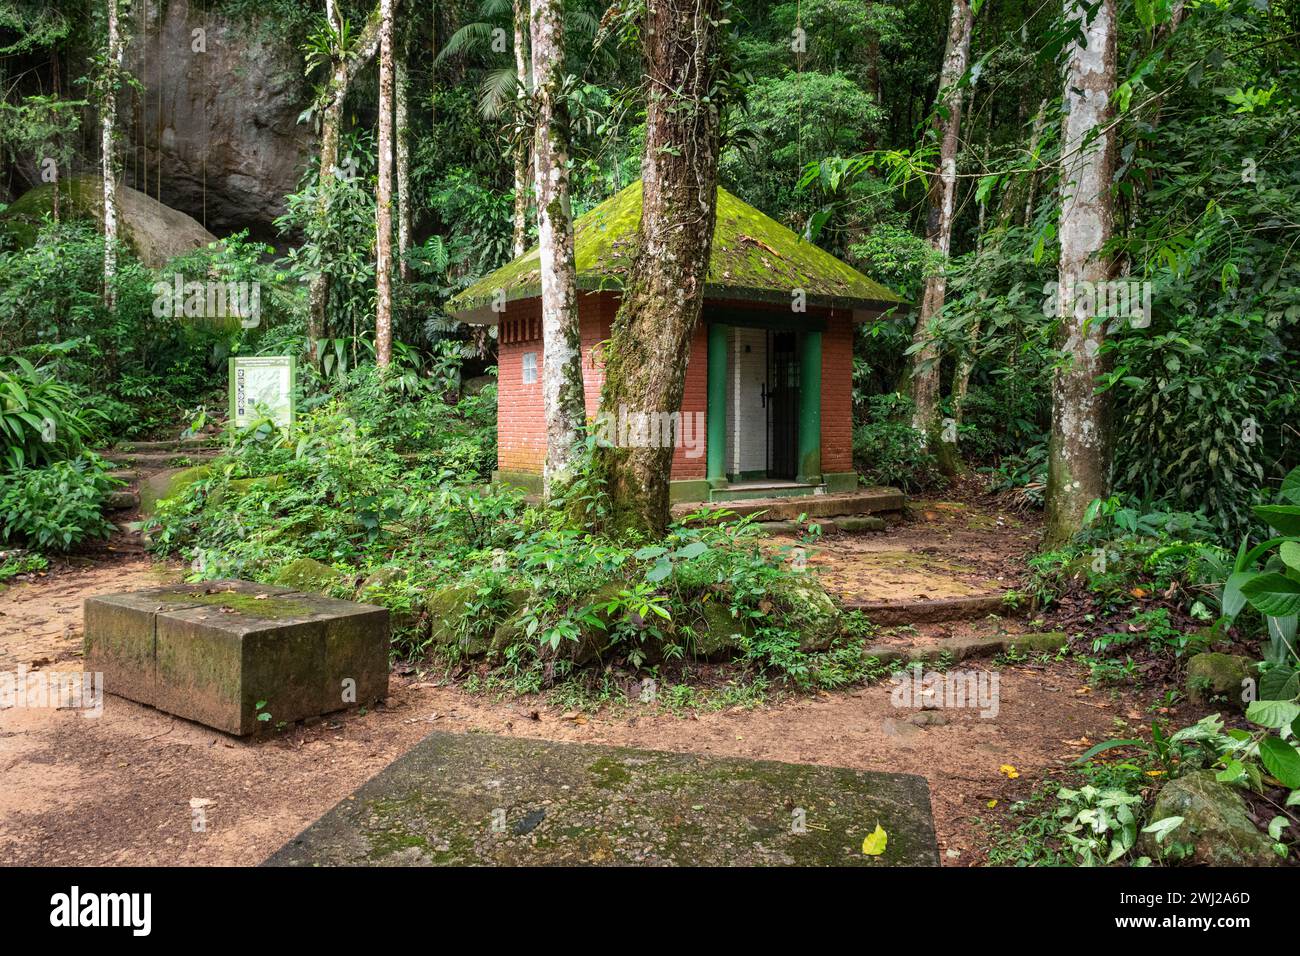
<point x="966" y="360"/>
<point x="943" y="189"/>
<point x="523" y="86"/>
<point x="108" y="124"/>
<point x="1079" y="450"/>
<point x="342" y="72"/>
<point x="562" y="394"/>
<point x="651" y="338"/>
<point x="384" y="194"/>
<point x="403" y="167"/>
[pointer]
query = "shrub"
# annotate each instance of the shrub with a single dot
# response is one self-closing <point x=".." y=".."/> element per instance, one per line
<point x="57" y="507"/>
<point x="887" y="450"/>
<point x="39" y="421"/>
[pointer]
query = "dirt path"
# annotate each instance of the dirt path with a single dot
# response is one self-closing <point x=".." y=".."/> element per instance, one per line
<point x="121" y="788"/>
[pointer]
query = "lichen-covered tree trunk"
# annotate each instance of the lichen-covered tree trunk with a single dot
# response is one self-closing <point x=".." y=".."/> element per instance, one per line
<point x="562" y="395"/>
<point x="1078" y="462"/>
<point x="664" y="292"/>
<point x="943" y="190"/>
<point x="523" y="150"/>
<point x="384" y="194"/>
<point x="403" y="147"/>
<point x="108" y="137"/>
<point x="343" y="70"/>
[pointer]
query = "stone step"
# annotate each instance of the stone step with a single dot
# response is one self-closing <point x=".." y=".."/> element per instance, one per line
<point x="124" y="499"/>
<point x="931" y="610"/>
<point x="158" y="459"/>
<point x="179" y="444"/>
<point x="965" y="648"/>
<point x="865" y="501"/>
<point x="846" y="523"/>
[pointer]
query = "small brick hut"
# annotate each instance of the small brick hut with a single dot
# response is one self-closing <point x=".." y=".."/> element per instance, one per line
<point x="767" y="409"/>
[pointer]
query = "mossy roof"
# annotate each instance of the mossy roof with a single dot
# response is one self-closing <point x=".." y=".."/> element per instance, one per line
<point x="754" y="258"/>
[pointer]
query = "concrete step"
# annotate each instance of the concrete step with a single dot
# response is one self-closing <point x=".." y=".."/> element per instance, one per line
<point x="965" y="648"/>
<point x="157" y="460"/>
<point x="931" y="611"/>
<point x="179" y="444"/>
<point x="865" y="501"/>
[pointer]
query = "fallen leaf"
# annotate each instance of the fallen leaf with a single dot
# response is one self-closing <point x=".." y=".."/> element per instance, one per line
<point x="874" y="844"/>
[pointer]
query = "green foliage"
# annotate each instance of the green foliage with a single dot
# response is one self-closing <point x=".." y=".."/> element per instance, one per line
<point x="39" y="421"/>
<point x="57" y="507"/>
<point x="888" y="451"/>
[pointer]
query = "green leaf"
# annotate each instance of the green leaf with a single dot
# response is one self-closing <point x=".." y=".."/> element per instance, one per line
<point x="1281" y="760"/>
<point x="875" y="842"/>
<point x="1274" y="714"/>
<point x="1273" y="594"/>
<point x="692" y="550"/>
<point x="1162" y="828"/>
<point x="1285" y="518"/>
<point x="1106" y="745"/>
<point x="1233" y="600"/>
<point x="1290" y="554"/>
<point x="663" y="567"/>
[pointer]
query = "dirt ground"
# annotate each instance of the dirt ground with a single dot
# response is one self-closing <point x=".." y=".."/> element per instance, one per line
<point x="123" y="787"/>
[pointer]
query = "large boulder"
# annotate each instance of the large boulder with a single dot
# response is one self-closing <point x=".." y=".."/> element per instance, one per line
<point x="219" y="129"/>
<point x="1213" y="675"/>
<point x="1215" y="823"/>
<point x="154" y="232"/>
<point x="718" y="635"/>
<point x="169" y="483"/>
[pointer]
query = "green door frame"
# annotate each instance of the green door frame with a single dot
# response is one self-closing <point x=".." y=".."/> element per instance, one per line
<point x="810" y="402"/>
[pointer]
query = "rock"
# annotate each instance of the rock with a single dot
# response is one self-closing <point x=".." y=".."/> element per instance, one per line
<point x="308" y="574"/>
<point x="859" y="523"/>
<point x="231" y="143"/>
<point x="1212" y="675"/>
<point x="154" y="232"/>
<point x="447" y="611"/>
<point x="718" y="635"/>
<point x="815" y="613"/>
<point x="476" y="384"/>
<point x="1215" y="822"/>
<point x="928" y="718"/>
<point x="168" y="484"/>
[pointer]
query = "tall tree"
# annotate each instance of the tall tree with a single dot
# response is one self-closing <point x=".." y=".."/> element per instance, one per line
<point x="523" y="83"/>
<point x="345" y="63"/>
<point x="562" y="394"/>
<point x="384" y="194"/>
<point x="403" y="147"/>
<point x="1078" y="461"/>
<point x="108" y="145"/>
<point x="943" y="191"/>
<point x="652" y="332"/>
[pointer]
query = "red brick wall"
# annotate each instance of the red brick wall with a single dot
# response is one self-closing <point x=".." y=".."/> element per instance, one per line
<point x="521" y="420"/>
<point x="837" y="394"/>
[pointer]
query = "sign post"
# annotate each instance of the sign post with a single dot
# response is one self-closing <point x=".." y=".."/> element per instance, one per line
<point x="262" y="387"/>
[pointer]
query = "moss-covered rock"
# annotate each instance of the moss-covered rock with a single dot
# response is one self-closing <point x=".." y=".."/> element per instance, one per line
<point x="168" y="484"/>
<point x="718" y="635"/>
<point x="447" y="610"/>
<point x="380" y="587"/>
<point x="816" y="614"/>
<point x="1213" y="675"/>
<point x="1215" y="823"/>
<point x="308" y="574"/>
<point x="154" y="232"/>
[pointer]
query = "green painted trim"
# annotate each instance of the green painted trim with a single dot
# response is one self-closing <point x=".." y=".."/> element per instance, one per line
<point x="759" y="475"/>
<point x="530" y="482"/>
<point x="810" y="408"/>
<point x="716" y="415"/>
<point x="688" y="490"/>
<point x="840" y="481"/>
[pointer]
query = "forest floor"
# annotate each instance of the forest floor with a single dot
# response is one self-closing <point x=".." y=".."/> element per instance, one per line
<point x="121" y="788"/>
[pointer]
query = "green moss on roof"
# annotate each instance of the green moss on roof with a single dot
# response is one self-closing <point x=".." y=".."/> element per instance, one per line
<point x="754" y="258"/>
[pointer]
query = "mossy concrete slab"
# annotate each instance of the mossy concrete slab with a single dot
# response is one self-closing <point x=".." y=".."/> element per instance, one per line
<point x="483" y="800"/>
<point x="212" y="652"/>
